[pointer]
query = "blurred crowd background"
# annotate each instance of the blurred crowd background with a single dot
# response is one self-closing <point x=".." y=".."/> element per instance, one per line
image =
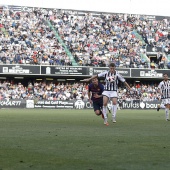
<point x="65" y="37"/>
<point x="68" y="91"/>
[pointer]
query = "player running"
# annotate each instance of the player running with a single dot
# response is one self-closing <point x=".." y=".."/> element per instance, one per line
<point x="164" y="91"/>
<point x="95" y="90"/>
<point x="112" y="78"/>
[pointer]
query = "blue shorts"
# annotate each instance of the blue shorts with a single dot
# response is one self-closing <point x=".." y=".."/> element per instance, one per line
<point x="98" y="105"/>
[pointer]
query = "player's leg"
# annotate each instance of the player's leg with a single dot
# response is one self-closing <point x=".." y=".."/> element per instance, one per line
<point x="100" y="103"/>
<point x="114" y="109"/>
<point x="167" y="112"/>
<point x="114" y="105"/>
<point x="166" y="103"/>
<point x="97" y="108"/>
<point x="105" y="101"/>
<point x="160" y="106"/>
<point x="118" y="106"/>
<point x="121" y="105"/>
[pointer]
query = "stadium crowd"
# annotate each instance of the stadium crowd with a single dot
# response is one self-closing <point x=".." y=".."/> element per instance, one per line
<point x="70" y="91"/>
<point x="93" y="40"/>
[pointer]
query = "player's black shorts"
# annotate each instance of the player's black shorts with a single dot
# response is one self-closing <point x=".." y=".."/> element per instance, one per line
<point x="98" y="105"/>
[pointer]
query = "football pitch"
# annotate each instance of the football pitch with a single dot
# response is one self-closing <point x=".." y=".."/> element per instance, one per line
<point x="46" y="139"/>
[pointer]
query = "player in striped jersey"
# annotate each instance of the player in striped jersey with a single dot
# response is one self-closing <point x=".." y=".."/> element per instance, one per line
<point x="164" y="91"/>
<point x="112" y="77"/>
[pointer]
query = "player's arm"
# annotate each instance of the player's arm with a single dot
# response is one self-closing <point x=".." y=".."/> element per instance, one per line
<point x="127" y="85"/>
<point x="89" y="95"/>
<point x="121" y="78"/>
<point x="159" y="91"/>
<point x="89" y="79"/>
<point x="95" y="76"/>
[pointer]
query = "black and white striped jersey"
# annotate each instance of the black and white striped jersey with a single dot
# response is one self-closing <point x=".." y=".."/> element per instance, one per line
<point x="111" y="86"/>
<point x="164" y="87"/>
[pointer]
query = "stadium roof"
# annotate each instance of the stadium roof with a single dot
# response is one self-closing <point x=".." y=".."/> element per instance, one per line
<point x="146" y="7"/>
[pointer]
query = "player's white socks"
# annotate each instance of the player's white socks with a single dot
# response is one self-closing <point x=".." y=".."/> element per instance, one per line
<point x="166" y="113"/>
<point x="105" y="112"/>
<point x="114" y="111"/>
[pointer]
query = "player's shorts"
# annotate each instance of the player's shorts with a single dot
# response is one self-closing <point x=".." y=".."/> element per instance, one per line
<point x="166" y="101"/>
<point x="110" y="94"/>
<point x="98" y="105"/>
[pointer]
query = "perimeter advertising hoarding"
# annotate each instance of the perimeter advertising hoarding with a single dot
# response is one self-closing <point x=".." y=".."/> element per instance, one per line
<point x="79" y="71"/>
<point x="149" y="73"/>
<point x="70" y="104"/>
<point x="57" y="70"/>
<point x="96" y="70"/>
<point x="19" y="69"/>
<point x="79" y="104"/>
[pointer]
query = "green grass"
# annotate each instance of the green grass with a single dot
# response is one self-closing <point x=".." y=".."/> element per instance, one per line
<point x="78" y="140"/>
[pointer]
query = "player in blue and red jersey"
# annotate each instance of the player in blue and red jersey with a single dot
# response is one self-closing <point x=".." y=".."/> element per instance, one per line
<point x="95" y="90"/>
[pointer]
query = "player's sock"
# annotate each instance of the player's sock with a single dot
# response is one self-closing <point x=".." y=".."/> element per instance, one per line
<point x="105" y="112"/>
<point x="108" y="109"/>
<point x="167" y="113"/>
<point x="114" y="111"/>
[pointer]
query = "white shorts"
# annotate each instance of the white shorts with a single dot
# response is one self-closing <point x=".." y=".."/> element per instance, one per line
<point x="110" y="94"/>
<point x="166" y="101"/>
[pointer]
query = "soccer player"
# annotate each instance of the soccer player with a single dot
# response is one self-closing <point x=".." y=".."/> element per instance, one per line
<point x="164" y="91"/>
<point x="95" y="90"/>
<point x="110" y="90"/>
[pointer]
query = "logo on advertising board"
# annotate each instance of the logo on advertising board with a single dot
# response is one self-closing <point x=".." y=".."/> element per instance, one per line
<point x="150" y="73"/>
<point x="142" y="105"/>
<point x="14" y="103"/>
<point x="79" y="104"/>
<point x="30" y="104"/>
<point x="15" y="69"/>
<point x="48" y="70"/>
<point x="139" y="105"/>
<point x="19" y="69"/>
<point x="123" y="72"/>
<point x="64" y="70"/>
<point x="10" y="103"/>
<point x="55" y="104"/>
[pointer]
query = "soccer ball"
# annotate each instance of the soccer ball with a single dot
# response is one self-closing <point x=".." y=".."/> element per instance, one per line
<point x="110" y="79"/>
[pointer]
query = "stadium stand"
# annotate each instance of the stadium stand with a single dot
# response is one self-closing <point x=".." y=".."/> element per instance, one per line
<point x="70" y="91"/>
<point x="72" y="38"/>
<point x="65" y="37"/>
